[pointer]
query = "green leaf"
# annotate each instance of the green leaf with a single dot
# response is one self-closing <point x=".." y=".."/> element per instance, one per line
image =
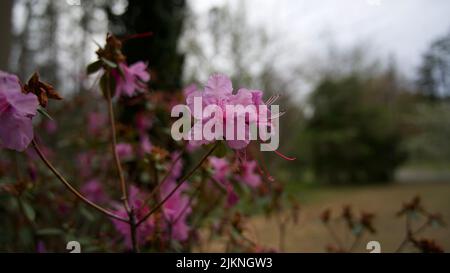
<point x="94" y="67"/>
<point x="109" y="63"/>
<point x="43" y="112"/>
<point x="49" y="232"/>
<point x="221" y="150"/>
<point x="29" y="211"/>
<point x="87" y="214"/>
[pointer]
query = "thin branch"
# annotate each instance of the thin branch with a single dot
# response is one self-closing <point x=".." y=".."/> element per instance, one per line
<point x="155" y="191"/>
<point x="123" y="186"/>
<point x="71" y="188"/>
<point x="186" y="177"/>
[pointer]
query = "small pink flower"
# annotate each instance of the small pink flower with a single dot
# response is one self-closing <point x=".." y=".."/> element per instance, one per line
<point x="124" y="151"/>
<point x="143" y="122"/>
<point x="40" y="247"/>
<point x="249" y="174"/>
<point x="232" y="197"/>
<point x="176" y="209"/>
<point x="16" y="111"/>
<point x="96" y="122"/>
<point x="94" y="191"/>
<point x="221" y="168"/>
<point x="51" y="126"/>
<point x="144" y="231"/>
<point x="146" y="145"/>
<point x="131" y="79"/>
<point x="85" y="161"/>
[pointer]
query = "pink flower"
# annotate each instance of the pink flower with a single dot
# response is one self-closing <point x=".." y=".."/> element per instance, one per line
<point x="51" y="126"/>
<point x="124" y="150"/>
<point x="40" y="247"/>
<point x="143" y="123"/>
<point x="94" y="191"/>
<point x="144" y="231"/>
<point x="16" y="111"/>
<point x="219" y="92"/>
<point x="131" y="79"/>
<point x="232" y="197"/>
<point x="96" y="122"/>
<point x="85" y="163"/>
<point x="146" y="145"/>
<point x="221" y="168"/>
<point x="249" y="174"/>
<point x="176" y="209"/>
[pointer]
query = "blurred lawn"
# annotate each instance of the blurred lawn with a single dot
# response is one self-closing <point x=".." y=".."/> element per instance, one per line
<point x="309" y="235"/>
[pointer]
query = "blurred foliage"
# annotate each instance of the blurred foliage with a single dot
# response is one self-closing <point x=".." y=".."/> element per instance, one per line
<point x="429" y="143"/>
<point x="434" y="73"/>
<point x="354" y="132"/>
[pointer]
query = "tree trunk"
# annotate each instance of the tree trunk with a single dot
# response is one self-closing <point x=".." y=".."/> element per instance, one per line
<point x="5" y="30"/>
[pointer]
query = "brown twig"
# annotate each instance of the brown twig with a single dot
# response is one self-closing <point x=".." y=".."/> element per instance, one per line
<point x="155" y="191"/>
<point x="187" y="176"/>
<point x="123" y="186"/>
<point x="71" y="188"/>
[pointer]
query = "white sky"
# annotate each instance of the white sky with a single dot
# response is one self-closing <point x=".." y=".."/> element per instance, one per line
<point x="401" y="28"/>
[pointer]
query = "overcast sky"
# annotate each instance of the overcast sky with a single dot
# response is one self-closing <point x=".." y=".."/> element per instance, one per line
<point x="402" y="28"/>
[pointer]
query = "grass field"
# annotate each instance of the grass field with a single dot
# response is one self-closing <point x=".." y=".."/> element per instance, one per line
<point x="309" y="235"/>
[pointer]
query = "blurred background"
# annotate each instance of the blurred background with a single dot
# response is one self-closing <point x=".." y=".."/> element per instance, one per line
<point x="365" y="85"/>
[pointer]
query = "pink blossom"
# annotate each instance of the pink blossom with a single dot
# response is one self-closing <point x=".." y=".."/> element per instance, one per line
<point x="176" y="209"/>
<point x="177" y="167"/>
<point x="124" y="150"/>
<point x="94" y="191"/>
<point x="40" y="247"/>
<point x="85" y="162"/>
<point x="232" y="197"/>
<point x="96" y="122"/>
<point x="221" y="168"/>
<point x="144" y="231"/>
<point x="221" y="171"/>
<point x="188" y="90"/>
<point x="249" y="174"/>
<point x="143" y="122"/>
<point x="16" y="111"/>
<point x="146" y="145"/>
<point x="51" y="126"/>
<point x="219" y="92"/>
<point x="131" y="79"/>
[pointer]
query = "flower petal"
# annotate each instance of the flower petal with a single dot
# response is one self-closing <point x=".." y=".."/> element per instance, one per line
<point x="219" y="83"/>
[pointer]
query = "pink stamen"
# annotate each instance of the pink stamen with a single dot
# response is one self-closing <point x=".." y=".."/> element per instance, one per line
<point x="137" y="36"/>
<point x="284" y="157"/>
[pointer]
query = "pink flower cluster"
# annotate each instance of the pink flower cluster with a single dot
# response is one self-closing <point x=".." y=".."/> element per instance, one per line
<point x="175" y="210"/>
<point x="223" y="174"/>
<point x="219" y="92"/>
<point x="16" y="112"/>
<point x="130" y="79"/>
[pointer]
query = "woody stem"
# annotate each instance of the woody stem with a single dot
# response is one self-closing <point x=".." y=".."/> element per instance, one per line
<point x="71" y="188"/>
<point x="182" y="180"/>
<point x="123" y="185"/>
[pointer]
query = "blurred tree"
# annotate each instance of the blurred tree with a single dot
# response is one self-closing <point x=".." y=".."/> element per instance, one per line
<point x="61" y="52"/>
<point x="434" y="73"/>
<point x="164" y="18"/>
<point x="354" y="134"/>
<point x="5" y="30"/>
